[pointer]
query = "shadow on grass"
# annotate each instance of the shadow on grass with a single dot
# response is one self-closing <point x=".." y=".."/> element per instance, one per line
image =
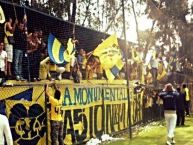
<point x="157" y="135"/>
<point x="182" y="126"/>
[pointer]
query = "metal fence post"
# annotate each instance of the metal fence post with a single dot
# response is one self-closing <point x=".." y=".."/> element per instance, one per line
<point x="46" y="117"/>
<point x="126" y="73"/>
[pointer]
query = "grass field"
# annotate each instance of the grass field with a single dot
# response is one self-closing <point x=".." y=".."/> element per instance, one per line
<point x="155" y="134"/>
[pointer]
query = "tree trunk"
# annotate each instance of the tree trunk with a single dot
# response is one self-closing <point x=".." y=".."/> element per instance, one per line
<point x="113" y="20"/>
<point x="152" y="27"/>
<point x="136" y="22"/>
<point x="73" y="18"/>
<point x="68" y="10"/>
<point x="87" y="9"/>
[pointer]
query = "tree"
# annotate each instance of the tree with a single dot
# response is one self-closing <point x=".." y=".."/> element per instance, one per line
<point x="169" y="16"/>
<point x="136" y="22"/>
<point x="169" y="19"/>
<point x="103" y="16"/>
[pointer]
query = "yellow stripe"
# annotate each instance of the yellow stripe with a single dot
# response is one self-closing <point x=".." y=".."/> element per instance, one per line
<point x="105" y="44"/>
<point x="56" y="49"/>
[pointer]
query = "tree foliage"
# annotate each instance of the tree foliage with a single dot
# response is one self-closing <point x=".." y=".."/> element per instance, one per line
<point x="171" y="23"/>
<point x="103" y="16"/>
<point x="168" y="18"/>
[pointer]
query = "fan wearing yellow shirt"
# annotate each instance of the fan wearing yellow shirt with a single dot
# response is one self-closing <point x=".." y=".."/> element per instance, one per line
<point x="187" y="99"/>
<point x="56" y="116"/>
<point x="47" y="69"/>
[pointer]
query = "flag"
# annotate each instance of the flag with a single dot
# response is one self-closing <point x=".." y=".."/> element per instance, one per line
<point x="2" y="16"/>
<point x="57" y="53"/>
<point x="110" y="56"/>
<point x="27" y="120"/>
<point x="25" y="95"/>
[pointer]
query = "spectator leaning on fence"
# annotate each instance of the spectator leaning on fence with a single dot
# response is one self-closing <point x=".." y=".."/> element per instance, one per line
<point x="56" y="116"/>
<point x="20" y="37"/>
<point x="9" y="41"/>
<point x="33" y="56"/>
<point x="48" y="69"/>
<point x="169" y="97"/>
<point x="5" y="131"/>
<point x="81" y="58"/>
<point x="154" y="69"/>
<point x="3" y="63"/>
<point x="38" y="53"/>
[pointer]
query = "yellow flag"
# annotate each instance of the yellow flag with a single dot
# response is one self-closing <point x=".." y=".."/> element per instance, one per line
<point x="110" y="56"/>
<point x="2" y="16"/>
<point x="109" y="42"/>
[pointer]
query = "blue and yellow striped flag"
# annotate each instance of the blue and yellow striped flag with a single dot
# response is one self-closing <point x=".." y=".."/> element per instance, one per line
<point x="110" y="56"/>
<point x="57" y="53"/>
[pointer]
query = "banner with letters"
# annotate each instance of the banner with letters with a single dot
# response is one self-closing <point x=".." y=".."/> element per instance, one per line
<point x="90" y="110"/>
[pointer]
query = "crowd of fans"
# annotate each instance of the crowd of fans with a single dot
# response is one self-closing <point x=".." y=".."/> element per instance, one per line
<point x="23" y="56"/>
<point x="158" y="65"/>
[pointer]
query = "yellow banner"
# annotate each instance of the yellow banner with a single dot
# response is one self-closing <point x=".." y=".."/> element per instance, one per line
<point x="90" y="110"/>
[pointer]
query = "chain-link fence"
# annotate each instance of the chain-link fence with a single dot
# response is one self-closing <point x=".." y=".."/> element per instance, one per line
<point x="89" y="111"/>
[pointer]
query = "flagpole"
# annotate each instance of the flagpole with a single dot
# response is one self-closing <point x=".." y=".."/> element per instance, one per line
<point x="126" y="71"/>
<point x="14" y="10"/>
<point x="26" y="55"/>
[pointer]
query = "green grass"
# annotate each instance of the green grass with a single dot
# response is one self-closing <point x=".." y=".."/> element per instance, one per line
<point x="155" y="134"/>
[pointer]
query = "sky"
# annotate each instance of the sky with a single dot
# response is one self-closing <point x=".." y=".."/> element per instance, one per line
<point x="189" y="16"/>
<point x="146" y="23"/>
<point x="143" y="22"/>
